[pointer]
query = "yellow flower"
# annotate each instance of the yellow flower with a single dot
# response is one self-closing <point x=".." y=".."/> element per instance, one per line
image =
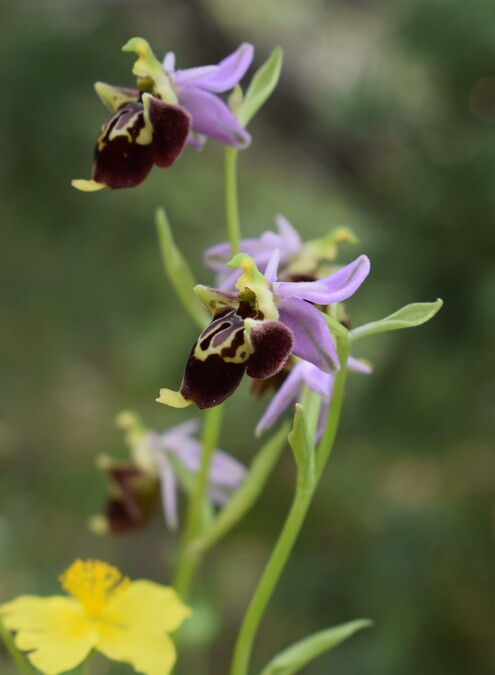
<point x="124" y="620"/>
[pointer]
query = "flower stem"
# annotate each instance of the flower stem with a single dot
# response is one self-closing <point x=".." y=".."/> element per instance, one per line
<point x="294" y="521"/>
<point x="269" y="579"/>
<point x="231" y="201"/>
<point x="18" y="658"/>
<point x="189" y="562"/>
<point x="325" y="446"/>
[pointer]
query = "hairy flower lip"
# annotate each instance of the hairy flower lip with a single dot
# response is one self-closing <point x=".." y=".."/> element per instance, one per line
<point x="139" y="133"/>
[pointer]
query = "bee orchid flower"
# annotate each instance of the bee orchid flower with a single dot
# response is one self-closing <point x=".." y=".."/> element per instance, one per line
<point x="152" y="123"/>
<point x="255" y="330"/>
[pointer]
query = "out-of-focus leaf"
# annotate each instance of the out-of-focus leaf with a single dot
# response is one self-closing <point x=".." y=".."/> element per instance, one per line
<point x="261" y="86"/>
<point x="298" y="655"/>
<point x="178" y="271"/>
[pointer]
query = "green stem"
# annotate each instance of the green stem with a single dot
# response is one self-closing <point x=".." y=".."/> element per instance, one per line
<point x="18" y="658"/>
<point x="326" y="444"/>
<point x="292" y="527"/>
<point x="269" y="579"/>
<point x="231" y="201"/>
<point x="188" y="562"/>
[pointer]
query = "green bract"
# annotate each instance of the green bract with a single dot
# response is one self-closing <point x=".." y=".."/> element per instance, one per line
<point x="406" y="317"/>
<point x="298" y="655"/>
<point x="261" y="87"/>
<point x="302" y="447"/>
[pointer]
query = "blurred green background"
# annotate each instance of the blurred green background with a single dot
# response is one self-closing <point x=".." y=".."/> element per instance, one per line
<point x="384" y="121"/>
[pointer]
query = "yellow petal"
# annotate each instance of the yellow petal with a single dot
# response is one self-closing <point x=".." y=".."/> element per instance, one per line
<point x="30" y="612"/>
<point x="54" y="630"/>
<point x="148" y="653"/>
<point x="87" y="185"/>
<point x="146" y="606"/>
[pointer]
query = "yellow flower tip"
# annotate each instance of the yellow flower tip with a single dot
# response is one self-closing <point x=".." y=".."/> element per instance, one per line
<point x="126" y="419"/>
<point x="138" y="45"/>
<point x="174" y="399"/>
<point x="92" y="583"/>
<point x="87" y="185"/>
<point x="103" y="462"/>
<point x="343" y="235"/>
<point x="98" y="525"/>
<point x="242" y="261"/>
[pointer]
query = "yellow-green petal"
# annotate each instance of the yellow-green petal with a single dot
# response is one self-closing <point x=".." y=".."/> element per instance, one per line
<point x="147" y="607"/>
<point x="174" y="399"/>
<point x="87" y="185"/>
<point x="148" y="653"/>
<point x="54" y="630"/>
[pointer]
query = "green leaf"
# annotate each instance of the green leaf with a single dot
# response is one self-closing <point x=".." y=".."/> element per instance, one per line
<point x="298" y="655"/>
<point x="261" y="86"/>
<point x="303" y="447"/>
<point x="246" y="495"/>
<point x="178" y="271"/>
<point x="407" y="317"/>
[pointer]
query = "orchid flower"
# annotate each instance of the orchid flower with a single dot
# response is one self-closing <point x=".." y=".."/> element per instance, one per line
<point x="298" y="259"/>
<point x="155" y="472"/>
<point x="286" y="240"/>
<point x="305" y="374"/>
<point x="256" y="329"/>
<point x="152" y="123"/>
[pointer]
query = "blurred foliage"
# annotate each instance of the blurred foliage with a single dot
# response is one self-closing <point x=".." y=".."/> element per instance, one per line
<point x="385" y="122"/>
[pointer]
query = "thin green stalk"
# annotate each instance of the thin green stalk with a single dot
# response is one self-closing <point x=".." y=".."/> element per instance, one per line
<point x="326" y="444"/>
<point x="18" y="658"/>
<point x="292" y="527"/>
<point x="231" y="201"/>
<point x="269" y="579"/>
<point x="188" y="563"/>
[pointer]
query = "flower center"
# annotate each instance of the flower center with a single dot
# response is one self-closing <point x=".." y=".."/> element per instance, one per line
<point x="92" y="583"/>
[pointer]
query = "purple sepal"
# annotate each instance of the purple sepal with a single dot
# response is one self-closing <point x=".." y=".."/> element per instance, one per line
<point x="335" y="288"/>
<point x="287" y="240"/>
<point x="219" y="78"/>
<point x="313" y="342"/>
<point x="211" y="117"/>
<point x="196" y="90"/>
<point x="305" y="373"/>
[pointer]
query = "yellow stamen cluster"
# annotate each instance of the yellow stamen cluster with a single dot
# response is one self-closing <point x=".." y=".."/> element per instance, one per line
<point x="92" y="583"/>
